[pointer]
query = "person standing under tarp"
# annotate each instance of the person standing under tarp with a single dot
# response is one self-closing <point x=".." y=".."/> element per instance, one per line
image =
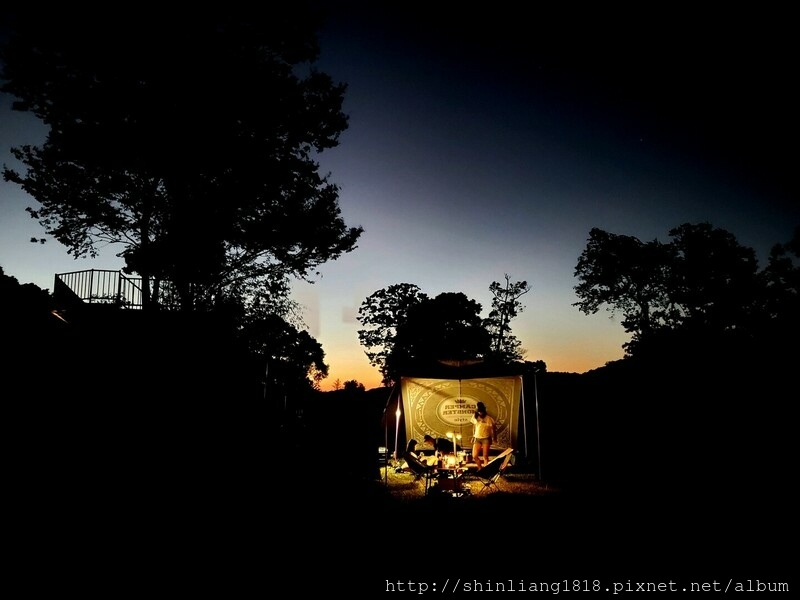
<point x="485" y="434"/>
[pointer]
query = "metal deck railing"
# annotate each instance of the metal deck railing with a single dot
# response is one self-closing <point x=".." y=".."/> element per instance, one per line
<point x="99" y="286"/>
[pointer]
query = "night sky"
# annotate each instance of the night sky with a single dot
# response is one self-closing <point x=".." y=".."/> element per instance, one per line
<point x="489" y="143"/>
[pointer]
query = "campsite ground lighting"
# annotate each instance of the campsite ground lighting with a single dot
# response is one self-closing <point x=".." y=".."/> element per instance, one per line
<point x="396" y="430"/>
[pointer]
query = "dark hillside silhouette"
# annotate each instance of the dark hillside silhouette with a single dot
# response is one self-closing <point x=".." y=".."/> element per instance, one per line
<point x="194" y="448"/>
<point x="127" y="407"/>
<point x="703" y="396"/>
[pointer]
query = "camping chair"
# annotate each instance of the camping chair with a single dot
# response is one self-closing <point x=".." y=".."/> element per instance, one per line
<point x="419" y="469"/>
<point x="491" y="471"/>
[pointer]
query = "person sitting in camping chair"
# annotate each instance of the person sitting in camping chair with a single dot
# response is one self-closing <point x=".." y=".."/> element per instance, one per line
<point x="419" y="456"/>
<point x="421" y="470"/>
<point x="443" y="445"/>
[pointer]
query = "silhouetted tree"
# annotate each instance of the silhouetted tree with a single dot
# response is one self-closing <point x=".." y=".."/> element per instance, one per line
<point x="713" y="280"/>
<point x="28" y="324"/>
<point x="351" y="385"/>
<point x="505" y="307"/>
<point x="188" y="140"/>
<point x="403" y="326"/>
<point x="21" y="302"/>
<point x="448" y="327"/>
<point x="629" y="277"/>
<point x="781" y="289"/>
<point x="537" y="367"/>
<point x="291" y="356"/>
<point x="380" y="314"/>
<point x="703" y="284"/>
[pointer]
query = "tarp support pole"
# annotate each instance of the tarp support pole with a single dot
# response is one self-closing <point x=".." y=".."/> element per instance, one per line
<point x="524" y="417"/>
<point x="386" y="435"/>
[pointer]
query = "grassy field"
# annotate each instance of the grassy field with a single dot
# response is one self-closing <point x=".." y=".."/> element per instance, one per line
<point x="404" y="487"/>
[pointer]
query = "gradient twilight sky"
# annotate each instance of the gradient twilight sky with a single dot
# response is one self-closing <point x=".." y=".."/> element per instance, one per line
<point x="489" y="144"/>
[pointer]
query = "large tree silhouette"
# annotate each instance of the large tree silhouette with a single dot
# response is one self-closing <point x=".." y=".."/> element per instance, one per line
<point x="447" y="327"/>
<point x="506" y="305"/>
<point x="190" y="141"/>
<point x="781" y="291"/>
<point x="403" y="327"/>
<point x="380" y="315"/>
<point x="627" y="276"/>
<point x="713" y="279"/>
<point x="701" y="285"/>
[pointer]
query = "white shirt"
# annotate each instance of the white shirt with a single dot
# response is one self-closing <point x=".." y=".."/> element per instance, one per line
<point x="483" y="427"/>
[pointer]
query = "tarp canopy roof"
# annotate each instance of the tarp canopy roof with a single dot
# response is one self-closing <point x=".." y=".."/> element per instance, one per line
<point x="462" y="369"/>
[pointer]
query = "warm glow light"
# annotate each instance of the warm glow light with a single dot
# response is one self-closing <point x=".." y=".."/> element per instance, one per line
<point x="450" y="434"/>
<point x="397" y="431"/>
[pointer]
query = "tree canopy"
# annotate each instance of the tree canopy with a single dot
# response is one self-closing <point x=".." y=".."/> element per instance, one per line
<point x="506" y="305"/>
<point x="190" y="141"/>
<point x="626" y="275"/>
<point x="703" y="284"/>
<point x="380" y="314"/>
<point x="403" y="326"/>
<point x="781" y="281"/>
<point x="446" y="327"/>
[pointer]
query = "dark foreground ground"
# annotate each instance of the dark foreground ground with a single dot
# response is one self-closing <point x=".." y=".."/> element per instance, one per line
<point x="229" y="518"/>
<point x="173" y="477"/>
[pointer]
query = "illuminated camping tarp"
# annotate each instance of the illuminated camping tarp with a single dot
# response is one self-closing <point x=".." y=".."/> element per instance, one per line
<point x="440" y="406"/>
